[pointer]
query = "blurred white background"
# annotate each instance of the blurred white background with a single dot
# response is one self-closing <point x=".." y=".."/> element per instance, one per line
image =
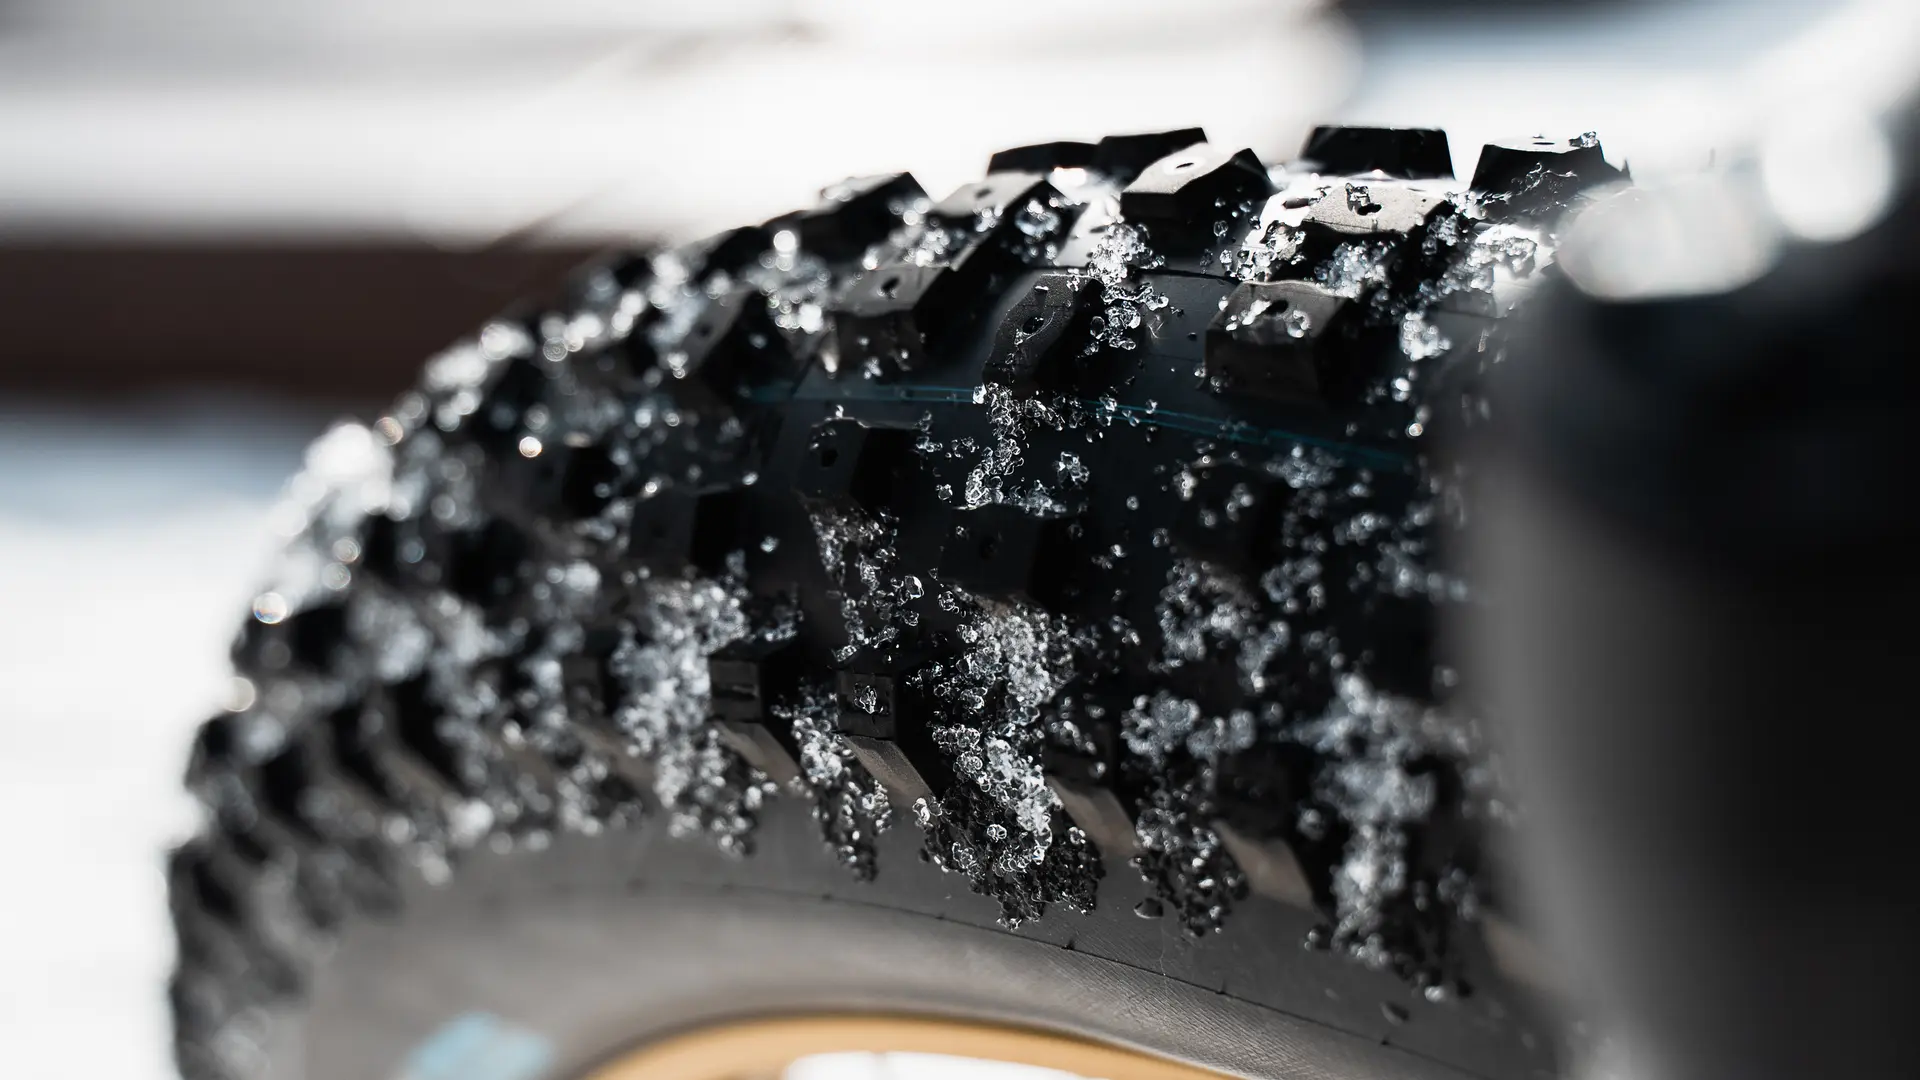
<point x="132" y="531"/>
<point x="469" y="120"/>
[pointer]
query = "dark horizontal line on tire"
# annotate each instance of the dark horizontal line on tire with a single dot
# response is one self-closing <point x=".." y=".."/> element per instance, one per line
<point x="1238" y="431"/>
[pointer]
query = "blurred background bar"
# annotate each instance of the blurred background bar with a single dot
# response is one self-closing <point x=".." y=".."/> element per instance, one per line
<point x="464" y="122"/>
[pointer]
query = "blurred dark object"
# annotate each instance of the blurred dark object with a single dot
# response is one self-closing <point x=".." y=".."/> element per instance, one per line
<point x="341" y="322"/>
<point x="1702" y="537"/>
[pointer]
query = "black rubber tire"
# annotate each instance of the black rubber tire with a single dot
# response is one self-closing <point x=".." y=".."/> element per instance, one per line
<point x="1083" y="518"/>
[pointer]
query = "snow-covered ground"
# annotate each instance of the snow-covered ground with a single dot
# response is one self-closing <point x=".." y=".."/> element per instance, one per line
<point x="128" y="546"/>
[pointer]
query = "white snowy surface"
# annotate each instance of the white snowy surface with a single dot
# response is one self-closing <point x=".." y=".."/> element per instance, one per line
<point x="467" y="120"/>
<point x="369" y="117"/>
<point x="129" y="544"/>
